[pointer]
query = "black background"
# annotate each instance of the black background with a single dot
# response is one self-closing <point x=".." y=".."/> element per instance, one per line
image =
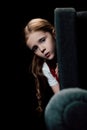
<point x="17" y="57"/>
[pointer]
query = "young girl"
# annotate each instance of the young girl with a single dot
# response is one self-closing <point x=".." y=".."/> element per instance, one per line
<point x="40" y="38"/>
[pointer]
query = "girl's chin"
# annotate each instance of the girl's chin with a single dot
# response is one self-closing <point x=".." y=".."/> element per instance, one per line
<point x="50" y="57"/>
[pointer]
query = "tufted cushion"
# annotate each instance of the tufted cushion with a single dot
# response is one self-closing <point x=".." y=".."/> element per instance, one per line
<point x="67" y="110"/>
<point x="75" y="115"/>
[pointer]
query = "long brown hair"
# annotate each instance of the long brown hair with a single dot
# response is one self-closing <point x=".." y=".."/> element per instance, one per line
<point x="38" y="24"/>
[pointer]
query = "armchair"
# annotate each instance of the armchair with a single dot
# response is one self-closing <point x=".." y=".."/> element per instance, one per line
<point x="67" y="110"/>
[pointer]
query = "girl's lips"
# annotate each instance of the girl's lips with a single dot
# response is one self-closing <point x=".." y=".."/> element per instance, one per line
<point x="47" y="54"/>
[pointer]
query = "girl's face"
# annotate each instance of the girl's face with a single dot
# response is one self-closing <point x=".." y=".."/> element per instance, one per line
<point x="42" y="44"/>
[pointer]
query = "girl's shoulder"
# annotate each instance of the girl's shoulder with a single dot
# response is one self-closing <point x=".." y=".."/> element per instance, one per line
<point x="45" y="67"/>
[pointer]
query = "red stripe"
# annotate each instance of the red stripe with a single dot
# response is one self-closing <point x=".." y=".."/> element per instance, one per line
<point x="54" y="74"/>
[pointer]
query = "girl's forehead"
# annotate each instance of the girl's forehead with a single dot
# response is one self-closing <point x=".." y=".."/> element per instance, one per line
<point x="34" y="37"/>
<point x="36" y="34"/>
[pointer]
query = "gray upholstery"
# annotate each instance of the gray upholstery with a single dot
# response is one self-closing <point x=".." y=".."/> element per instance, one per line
<point x="67" y="110"/>
<point x="64" y="20"/>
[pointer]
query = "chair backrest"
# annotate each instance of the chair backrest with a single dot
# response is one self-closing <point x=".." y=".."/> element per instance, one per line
<point x="69" y="26"/>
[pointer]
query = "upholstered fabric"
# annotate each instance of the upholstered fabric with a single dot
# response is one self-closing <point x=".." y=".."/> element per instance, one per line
<point x="67" y="110"/>
<point x="64" y="21"/>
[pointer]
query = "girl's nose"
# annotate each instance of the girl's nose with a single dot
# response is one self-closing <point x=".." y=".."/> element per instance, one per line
<point x="42" y="49"/>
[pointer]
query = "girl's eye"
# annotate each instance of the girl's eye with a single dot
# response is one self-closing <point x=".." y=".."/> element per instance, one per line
<point x="34" y="48"/>
<point x="42" y="39"/>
